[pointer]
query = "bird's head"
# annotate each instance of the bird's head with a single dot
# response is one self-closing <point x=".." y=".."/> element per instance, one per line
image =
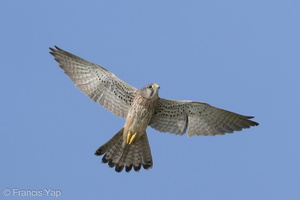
<point x="150" y="91"/>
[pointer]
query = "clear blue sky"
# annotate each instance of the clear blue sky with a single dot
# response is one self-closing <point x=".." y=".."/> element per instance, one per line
<point x="238" y="55"/>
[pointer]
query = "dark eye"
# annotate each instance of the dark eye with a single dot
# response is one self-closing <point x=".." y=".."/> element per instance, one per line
<point x="150" y="86"/>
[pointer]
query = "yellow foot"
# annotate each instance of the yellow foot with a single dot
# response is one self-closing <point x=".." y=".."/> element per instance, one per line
<point x="130" y="138"/>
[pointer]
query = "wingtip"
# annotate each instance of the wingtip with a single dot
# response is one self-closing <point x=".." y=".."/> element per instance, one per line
<point x="255" y="124"/>
<point x="51" y="51"/>
<point x="59" y="49"/>
<point x="56" y="48"/>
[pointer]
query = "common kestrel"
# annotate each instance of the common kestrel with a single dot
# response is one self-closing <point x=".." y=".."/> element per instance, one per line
<point x="129" y="147"/>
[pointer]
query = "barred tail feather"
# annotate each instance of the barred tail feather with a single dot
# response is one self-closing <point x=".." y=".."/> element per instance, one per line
<point x="131" y="156"/>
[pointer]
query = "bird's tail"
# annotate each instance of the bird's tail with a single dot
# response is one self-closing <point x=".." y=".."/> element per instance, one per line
<point x="130" y="156"/>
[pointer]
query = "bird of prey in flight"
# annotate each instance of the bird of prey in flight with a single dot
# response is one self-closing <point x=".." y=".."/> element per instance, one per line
<point x="141" y="108"/>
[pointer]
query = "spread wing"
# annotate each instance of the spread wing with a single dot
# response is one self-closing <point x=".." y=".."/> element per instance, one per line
<point x="98" y="83"/>
<point x="199" y="118"/>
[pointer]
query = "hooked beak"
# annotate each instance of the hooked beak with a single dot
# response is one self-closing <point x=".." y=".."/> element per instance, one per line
<point x="156" y="85"/>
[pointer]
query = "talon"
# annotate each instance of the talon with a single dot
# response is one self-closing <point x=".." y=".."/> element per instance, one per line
<point x="130" y="138"/>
